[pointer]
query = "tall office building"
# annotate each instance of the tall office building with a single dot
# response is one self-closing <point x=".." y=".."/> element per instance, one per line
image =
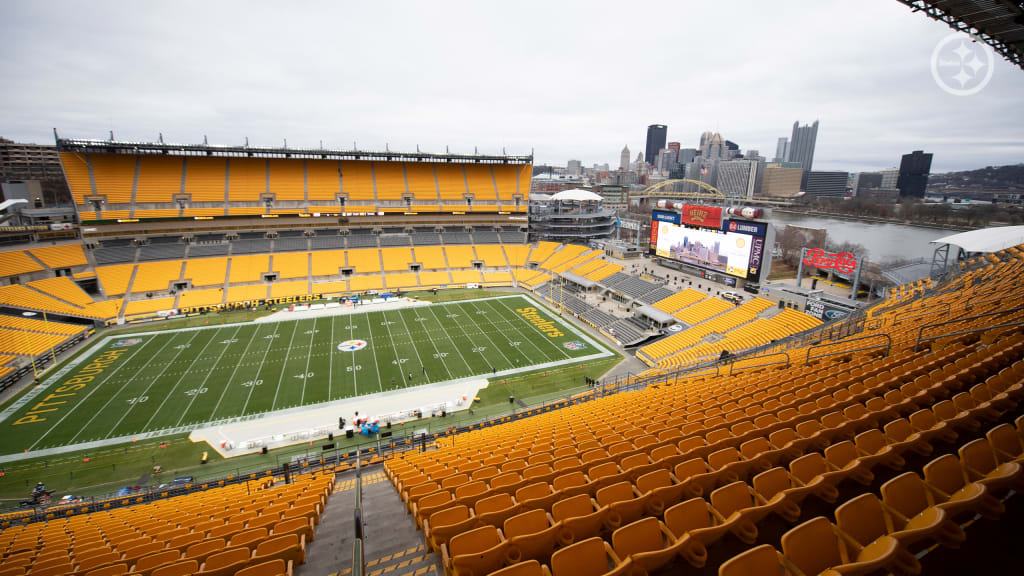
<point x="732" y="150"/>
<point x="624" y="159"/>
<point x="640" y="166"/>
<point x="913" y="178"/>
<point x="866" y="181"/>
<point x="782" y="150"/>
<point x="574" y="168"/>
<point x="801" y="145"/>
<point x="686" y="155"/>
<point x="889" y="177"/>
<point x="781" y="179"/>
<point x="737" y="178"/>
<point x="713" y="148"/>
<point x="667" y="160"/>
<point x="704" y="139"/>
<point x="657" y="135"/>
<point x="674" y="146"/>
<point x="825" y="183"/>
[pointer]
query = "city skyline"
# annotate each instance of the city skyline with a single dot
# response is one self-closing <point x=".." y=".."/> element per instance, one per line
<point x="108" y="67"/>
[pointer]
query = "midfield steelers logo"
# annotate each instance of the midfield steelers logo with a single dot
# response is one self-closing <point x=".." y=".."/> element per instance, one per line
<point x="352" y="345"/>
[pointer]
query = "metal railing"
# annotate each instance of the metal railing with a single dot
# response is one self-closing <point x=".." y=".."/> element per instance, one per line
<point x="920" y="332"/>
<point x="887" y="346"/>
<point x="358" y="559"/>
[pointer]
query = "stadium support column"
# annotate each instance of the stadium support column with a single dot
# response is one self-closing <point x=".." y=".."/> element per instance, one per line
<point x="800" y="266"/>
<point x="856" y="280"/>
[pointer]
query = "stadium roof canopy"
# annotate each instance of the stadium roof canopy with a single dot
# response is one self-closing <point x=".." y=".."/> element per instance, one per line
<point x="576" y="195"/>
<point x="987" y="239"/>
<point x="655" y="314"/>
<point x="998" y="23"/>
<point x="166" y="149"/>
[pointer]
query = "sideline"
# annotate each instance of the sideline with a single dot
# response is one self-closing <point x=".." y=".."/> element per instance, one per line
<point x="603" y="352"/>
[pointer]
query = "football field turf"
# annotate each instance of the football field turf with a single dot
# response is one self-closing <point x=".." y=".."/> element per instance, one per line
<point x="175" y="380"/>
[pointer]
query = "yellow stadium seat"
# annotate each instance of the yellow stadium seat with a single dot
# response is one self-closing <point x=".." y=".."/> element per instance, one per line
<point x="248" y="268"/>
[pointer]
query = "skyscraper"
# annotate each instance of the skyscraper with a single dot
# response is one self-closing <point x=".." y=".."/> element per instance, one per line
<point x="713" y="147"/>
<point x="704" y="139"/>
<point x="732" y="150"/>
<point x="737" y="178"/>
<point x="657" y="135"/>
<point x="686" y="155"/>
<point x="666" y="160"/>
<point x="801" y="145"/>
<point x="782" y="150"/>
<point x="574" y="168"/>
<point x="913" y="178"/>
<point x="624" y="159"/>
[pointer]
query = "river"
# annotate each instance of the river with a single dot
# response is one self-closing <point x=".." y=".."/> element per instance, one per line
<point x="881" y="240"/>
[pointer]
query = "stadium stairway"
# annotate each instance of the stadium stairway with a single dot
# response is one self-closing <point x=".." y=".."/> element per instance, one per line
<point x="392" y="544"/>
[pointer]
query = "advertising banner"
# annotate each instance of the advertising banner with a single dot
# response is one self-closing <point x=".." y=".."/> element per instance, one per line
<point x="702" y="216"/>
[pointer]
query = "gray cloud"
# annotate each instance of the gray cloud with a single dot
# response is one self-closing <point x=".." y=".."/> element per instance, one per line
<point x="566" y="79"/>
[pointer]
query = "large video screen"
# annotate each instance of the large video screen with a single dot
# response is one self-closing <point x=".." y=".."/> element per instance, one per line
<point x="735" y="249"/>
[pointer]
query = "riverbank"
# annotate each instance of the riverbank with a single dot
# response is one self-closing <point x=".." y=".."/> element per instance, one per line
<point x="872" y="219"/>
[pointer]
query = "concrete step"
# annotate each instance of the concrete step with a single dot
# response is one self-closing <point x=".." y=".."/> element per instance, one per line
<point x="331" y="550"/>
<point x="392" y="546"/>
<point x="415" y="561"/>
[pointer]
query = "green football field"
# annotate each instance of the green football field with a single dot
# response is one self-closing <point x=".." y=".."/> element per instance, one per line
<point x="175" y="380"/>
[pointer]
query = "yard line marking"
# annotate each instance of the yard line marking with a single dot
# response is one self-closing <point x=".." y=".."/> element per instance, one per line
<point x="394" y="347"/>
<point x="330" y="360"/>
<point x="355" y="380"/>
<point x="153" y="381"/>
<point x="97" y="387"/>
<point x="234" y="371"/>
<point x="309" y="353"/>
<point x="284" y="366"/>
<point x="207" y="377"/>
<point x="527" y="360"/>
<point x="510" y="363"/>
<point x="414" y="347"/>
<point x="517" y="325"/>
<point x="449" y="336"/>
<point x="176" y="384"/>
<point x="373" y="350"/>
<point x="436" y="349"/>
<point x="260" y="369"/>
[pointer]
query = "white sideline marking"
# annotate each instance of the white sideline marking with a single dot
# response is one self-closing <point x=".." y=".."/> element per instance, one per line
<point x="601" y="352"/>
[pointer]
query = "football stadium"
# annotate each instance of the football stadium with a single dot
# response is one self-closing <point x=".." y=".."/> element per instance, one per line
<point x="267" y="361"/>
<point x="252" y="308"/>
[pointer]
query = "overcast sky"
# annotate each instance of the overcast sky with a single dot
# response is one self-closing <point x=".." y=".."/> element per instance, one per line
<point x="563" y="79"/>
